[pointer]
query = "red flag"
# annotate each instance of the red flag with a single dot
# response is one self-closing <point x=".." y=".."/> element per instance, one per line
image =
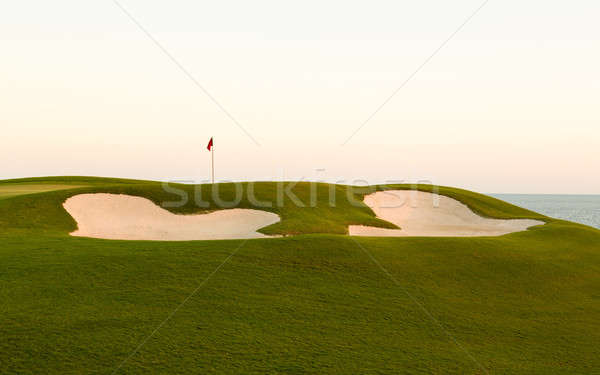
<point x="210" y="144"/>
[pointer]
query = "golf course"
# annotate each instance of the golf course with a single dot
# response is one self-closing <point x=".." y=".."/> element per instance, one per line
<point x="298" y="295"/>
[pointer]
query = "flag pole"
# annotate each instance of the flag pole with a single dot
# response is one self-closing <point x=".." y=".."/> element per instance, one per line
<point x="212" y="153"/>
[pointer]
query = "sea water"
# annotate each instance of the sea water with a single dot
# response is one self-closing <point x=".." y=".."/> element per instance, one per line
<point x="584" y="209"/>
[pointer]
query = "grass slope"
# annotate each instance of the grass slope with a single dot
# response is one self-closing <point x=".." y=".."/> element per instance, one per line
<point x="524" y="303"/>
<point x="12" y="190"/>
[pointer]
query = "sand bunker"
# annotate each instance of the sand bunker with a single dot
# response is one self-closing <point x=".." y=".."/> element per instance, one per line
<point x="424" y="214"/>
<point x="126" y="217"/>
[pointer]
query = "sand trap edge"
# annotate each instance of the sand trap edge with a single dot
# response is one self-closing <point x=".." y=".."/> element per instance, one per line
<point x="128" y="217"/>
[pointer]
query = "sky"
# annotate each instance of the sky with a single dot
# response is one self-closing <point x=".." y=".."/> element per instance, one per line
<point x="507" y="102"/>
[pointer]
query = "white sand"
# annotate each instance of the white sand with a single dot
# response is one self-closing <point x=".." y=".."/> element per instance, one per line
<point x="126" y="217"/>
<point x="424" y="214"/>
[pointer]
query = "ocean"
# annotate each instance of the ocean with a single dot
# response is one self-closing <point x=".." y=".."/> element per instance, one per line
<point x="584" y="209"/>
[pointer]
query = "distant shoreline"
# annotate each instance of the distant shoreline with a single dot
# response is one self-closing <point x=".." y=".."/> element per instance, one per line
<point x="580" y="208"/>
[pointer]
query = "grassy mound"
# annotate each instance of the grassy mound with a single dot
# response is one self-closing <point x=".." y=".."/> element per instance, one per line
<point x="319" y="302"/>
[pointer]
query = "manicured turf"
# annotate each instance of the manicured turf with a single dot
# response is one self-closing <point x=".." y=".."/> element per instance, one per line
<point x="524" y="303"/>
<point x="12" y="190"/>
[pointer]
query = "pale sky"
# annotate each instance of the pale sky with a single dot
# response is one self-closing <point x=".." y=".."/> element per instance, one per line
<point x="509" y="104"/>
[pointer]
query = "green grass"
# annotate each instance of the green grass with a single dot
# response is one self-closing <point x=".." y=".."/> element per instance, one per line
<point x="12" y="190"/>
<point x="523" y="303"/>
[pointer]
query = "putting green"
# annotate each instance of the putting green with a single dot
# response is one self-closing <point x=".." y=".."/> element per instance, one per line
<point x="13" y="190"/>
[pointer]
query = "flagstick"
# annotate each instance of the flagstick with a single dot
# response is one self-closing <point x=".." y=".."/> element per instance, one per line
<point x="212" y="153"/>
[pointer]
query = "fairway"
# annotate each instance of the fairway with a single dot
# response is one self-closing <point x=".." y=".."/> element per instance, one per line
<point x="315" y="301"/>
<point x="13" y="190"/>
